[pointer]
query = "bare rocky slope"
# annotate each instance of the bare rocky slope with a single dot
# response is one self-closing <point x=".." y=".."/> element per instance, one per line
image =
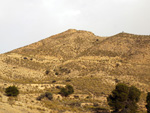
<point x="92" y="64"/>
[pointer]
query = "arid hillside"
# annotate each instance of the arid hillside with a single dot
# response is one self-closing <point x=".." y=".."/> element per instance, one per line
<point x="93" y="65"/>
<point x="66" y="45"/>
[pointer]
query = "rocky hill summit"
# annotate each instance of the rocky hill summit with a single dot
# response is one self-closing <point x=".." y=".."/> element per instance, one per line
<point x="93" y="65"/>
<point x="66" y="45"/>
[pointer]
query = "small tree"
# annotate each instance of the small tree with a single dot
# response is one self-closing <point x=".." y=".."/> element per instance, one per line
<point x="123" y="99"/>
<point x="67" y="90"/>
<point x="148" y="102"/>
<point x="133" y="98"/>
<point x="12" y="91"/>
<point x="134" y="94"/>
<point x="118" y="98"/>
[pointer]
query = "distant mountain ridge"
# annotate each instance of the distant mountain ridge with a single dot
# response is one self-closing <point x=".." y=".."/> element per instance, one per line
<point x="73" y="43"/>
<point x="65" y="45"/>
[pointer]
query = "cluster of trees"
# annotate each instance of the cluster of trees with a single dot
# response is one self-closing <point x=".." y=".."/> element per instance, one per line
<point x="122" y="100"/>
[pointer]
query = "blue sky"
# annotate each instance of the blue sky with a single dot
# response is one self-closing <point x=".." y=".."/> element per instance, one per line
<point x="23" y="22"/>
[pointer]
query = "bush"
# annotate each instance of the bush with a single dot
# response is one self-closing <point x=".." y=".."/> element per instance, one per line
<point x="123" y="99"/>
<point x="47" y="72"/>
<point x="67" y="90"/>
<point x="53" y="81"/>
<point x="117" y="100"/>
<point x="148" y="102"/>
<point x="47" y="95"/>
<point x="68" y="80"/>
<point x="56" y="73"/>
<point x="134" y="94"/>
<point x="12" y="91"/>
<point x="25" y="58"/>
<point x="40" y="97"/>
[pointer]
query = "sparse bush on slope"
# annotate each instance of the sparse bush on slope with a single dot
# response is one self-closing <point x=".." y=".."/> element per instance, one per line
<point x="49" y="95"/>
<point x="67" y="90"/>
<point x="12" y="91"/>
<point x="46" y="94"/>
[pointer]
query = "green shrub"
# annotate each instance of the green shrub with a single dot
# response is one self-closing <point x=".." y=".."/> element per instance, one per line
<point x="148" y="102"/>
<point x="40" y="97"/>
<point x="67" y="90"/>
<point x="46" y="94"/>
<point x="12" y="91"/>
<point x="49" y="95"/>
<point x="124" y="99"/>
<point x="134" y="94"/>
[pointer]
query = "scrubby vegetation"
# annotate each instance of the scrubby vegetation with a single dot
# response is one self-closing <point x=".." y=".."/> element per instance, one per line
<point x="48" y="95"/>
<point x="67" y="90"/>
<point x="124" y="99"/>
<point x="12" y="91"/>
<point x="47" y="72"/>
<point x="148" y="102"/>
<point x="40" y="97"/>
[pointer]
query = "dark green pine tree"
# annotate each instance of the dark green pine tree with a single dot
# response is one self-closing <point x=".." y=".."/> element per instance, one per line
<point x="148" y="102"/>
<point x="123" y="99"/>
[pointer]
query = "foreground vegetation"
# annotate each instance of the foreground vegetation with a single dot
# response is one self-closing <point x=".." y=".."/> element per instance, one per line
<point x="123" y="99"/>
<point x="148" y="102"/>
<point x="12" y="91"/>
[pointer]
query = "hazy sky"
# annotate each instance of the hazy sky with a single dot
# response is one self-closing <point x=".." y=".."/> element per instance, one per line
<point x="26" y="21"/>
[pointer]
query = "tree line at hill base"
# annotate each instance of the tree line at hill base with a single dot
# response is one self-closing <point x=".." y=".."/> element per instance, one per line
<point x="123" y="98"/>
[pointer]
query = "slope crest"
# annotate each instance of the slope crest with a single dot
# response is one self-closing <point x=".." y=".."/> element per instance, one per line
<point x="65" y="45"/>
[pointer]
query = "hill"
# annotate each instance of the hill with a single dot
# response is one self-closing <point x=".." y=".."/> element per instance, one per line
<point x="92" y="64"/>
